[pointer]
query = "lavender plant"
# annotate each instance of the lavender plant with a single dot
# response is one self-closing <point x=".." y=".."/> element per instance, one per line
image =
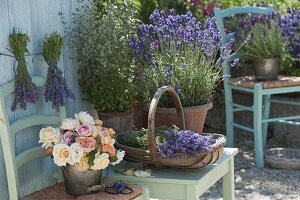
<point x="177" y="50"/>
<point x="266" y="42"/>
<point x="186" y="142"/>
<point x="56" y="89"/>
<point x="25" y="89"/>
<point x="290" y="26"/>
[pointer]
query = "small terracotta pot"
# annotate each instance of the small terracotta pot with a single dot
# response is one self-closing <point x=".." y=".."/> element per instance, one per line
<point x="120" y="122"/>
<point x="194" y="117"/>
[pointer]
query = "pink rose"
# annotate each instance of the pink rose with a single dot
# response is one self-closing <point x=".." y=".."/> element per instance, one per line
<point x="88" y="143"/>
<point x="84" y="130"/>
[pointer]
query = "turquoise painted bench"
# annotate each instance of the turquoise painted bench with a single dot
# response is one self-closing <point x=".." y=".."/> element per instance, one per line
<point x="179" y="184"/>
<point x="9" y="130"/>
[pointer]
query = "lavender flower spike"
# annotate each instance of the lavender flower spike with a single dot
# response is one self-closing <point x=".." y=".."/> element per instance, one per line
<point x="56" y="90"/>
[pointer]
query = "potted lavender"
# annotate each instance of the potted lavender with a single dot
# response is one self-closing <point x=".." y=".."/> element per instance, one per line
<point x="265" y="50"/>
<point x="290" y="26"/>
<point x="178" y="51"/>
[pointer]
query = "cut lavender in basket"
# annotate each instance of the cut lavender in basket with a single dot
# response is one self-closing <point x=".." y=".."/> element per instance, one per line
<point x="186" y="142"/>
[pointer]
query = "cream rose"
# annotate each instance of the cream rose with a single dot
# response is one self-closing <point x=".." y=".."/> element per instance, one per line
<point x="62" y="154"/>
<point x="97" y="131"/>
<point x="107" y="140"/>
<point x="85" y="118"/>
<point x="49" y="136"/>
<point x="69" y="124"/>
<point x="120" y="156"/>
<point x="101" y="161"/>
<point x="76" y="153"/>
<point x="83" y="164"/>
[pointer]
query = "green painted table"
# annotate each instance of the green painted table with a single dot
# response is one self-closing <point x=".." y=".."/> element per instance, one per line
<point x="177" y="184"/>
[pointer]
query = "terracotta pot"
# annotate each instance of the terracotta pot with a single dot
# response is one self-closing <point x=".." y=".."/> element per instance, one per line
<point x="194" y="117"/>
<point x="140" y="116"/>
<point x="120" y="122"/>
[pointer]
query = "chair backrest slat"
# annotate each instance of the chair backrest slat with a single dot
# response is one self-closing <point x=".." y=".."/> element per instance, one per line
<point x="32" y="120"/>
<point x="8" y="133"/>
<point x="28" y="155"/>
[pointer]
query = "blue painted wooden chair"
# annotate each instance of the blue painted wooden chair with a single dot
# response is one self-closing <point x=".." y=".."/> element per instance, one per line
<point x="9" y="130"/>
<point x="261" y="91"/>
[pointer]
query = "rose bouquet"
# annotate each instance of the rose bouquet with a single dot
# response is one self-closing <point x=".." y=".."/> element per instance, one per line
<point x="82" y="142"/>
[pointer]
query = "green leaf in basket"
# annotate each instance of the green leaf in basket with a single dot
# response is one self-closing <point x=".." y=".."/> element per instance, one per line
<point x="113" y="159"/>
<point x="91" y="156"/>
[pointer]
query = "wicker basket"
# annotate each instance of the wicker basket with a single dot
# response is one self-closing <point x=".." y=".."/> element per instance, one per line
<point x="152" y="156"/>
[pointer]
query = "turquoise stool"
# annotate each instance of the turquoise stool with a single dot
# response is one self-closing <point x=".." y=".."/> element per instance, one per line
<point x="261" y="91"/>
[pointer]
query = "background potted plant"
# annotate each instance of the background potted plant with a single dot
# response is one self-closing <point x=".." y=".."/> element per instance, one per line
<point x="100" y="40"/>
<point x="265" y="50"/>
<point x="177" y="50"/>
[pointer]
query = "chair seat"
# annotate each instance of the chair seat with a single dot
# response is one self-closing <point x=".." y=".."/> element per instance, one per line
<point x="249" y="81"/>
<point x="58" y="192"/>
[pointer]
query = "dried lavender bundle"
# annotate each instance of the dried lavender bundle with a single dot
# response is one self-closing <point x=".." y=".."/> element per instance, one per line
<point x="25" y="89"/>
<point x="56" y="89"/>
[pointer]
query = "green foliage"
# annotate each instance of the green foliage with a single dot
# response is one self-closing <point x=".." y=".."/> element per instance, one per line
<point x="100" y="42"/>
<point x="197" y="79"/>
<point x="18" y="42"/>
<point x="266" y="42"/>
<point x="52" y="47"/>
<point x="140" y="139"/>
<point x="91" y="157"/>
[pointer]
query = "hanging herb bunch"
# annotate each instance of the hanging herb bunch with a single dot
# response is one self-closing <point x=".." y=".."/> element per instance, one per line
<point x="56" y="90"/>
<point x="25" y="89"/>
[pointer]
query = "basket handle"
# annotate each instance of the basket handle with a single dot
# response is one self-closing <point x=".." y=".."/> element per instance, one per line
<point x="151" y="118"/>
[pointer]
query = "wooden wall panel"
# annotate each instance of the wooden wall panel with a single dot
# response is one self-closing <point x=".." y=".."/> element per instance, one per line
<point x="37" y="18"/>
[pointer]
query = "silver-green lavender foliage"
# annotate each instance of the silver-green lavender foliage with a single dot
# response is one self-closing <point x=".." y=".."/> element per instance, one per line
<point x="100" y="41"/>
<point x="266" y="42"/>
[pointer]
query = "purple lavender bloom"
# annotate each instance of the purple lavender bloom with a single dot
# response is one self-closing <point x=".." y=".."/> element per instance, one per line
<point x="235" y="62"/>
<point x="290" y="26"/>
<point x="168" y="73"/>
<point x="25" y="89"/>
<point x="186" y="142"/>
<point x="56" y="89"/>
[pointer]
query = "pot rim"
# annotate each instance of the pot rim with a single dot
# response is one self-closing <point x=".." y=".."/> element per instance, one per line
<point x="259" y="59"/>
<point x="115" y="114"/>
<point x="203" y="107"/>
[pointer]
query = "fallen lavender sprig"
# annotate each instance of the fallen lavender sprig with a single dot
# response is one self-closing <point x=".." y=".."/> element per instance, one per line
<point x="25" y="89"/>
<point x="186" y="142"/>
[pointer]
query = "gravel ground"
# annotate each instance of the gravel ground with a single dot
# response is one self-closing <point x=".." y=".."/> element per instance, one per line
<point x="259" y="184"/>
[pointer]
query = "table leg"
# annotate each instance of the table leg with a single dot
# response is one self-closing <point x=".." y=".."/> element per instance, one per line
<point x="228" y="182"/>
<point x="191" y="192"/>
